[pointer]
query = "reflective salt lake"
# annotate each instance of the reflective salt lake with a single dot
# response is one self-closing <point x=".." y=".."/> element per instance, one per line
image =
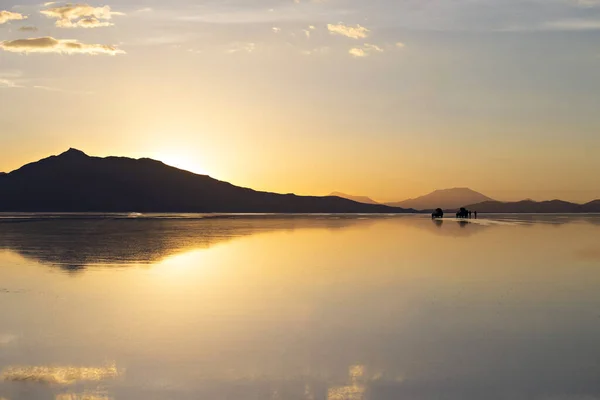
<point x="303" y="307"/>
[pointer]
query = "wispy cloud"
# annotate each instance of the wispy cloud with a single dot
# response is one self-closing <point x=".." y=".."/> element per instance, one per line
<point x="8" y="83"/>
<point x="59" y="90"/>
<point x="353" y="32"/>
<point x="587" y="3"/>
<point x="242" y="48"/>
<point x="309" y="30"/>
<point x="366" y="50"/>
<point x="574" y="24"/>
<point x="317" y="51"/>
<point x="88" y="22"/>
<point x="81" y="16"/>
<point x="570" y="24"/>
<point x="59" y="46"/>
<point x="10" y="79"/>
<point x="6" y="16"/>
<point x="28" y="29"/>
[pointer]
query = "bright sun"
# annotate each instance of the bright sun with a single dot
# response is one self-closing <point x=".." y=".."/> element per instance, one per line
<point x="181" y="161"/>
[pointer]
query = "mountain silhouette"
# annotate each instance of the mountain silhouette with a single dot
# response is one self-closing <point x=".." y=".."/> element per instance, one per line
<point x="535" y="207"/>
<point x="447" y="199"/>
<point x="591" y="207"/>
<point x="358" y="199"/>
<point x="76" y="182"/>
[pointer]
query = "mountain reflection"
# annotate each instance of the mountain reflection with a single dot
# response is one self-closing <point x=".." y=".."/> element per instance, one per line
<point x="76" y="243"/>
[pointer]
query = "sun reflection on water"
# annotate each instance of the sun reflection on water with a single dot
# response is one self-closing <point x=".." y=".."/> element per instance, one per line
<point x="81" y="396"/>
<point x="355" y="390"/>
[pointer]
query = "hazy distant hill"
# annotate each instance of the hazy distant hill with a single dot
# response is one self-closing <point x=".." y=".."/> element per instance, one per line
<point x="76" y="182"/>
<point x="359" y="199"/>
<point x="447" y="199"/>
<point x="530" y="206"/>
<point x="591" y="207"/>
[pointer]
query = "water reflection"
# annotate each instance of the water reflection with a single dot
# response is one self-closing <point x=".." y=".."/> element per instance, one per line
<point x="82" y="396"/>
<point x="355" y="390"/>
<point x="302" y="309"/>
<point x="58" y="375"/>
<point x="74" y="243"/>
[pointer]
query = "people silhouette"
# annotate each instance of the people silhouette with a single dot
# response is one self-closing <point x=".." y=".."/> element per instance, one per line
<point x="475" y="214"/>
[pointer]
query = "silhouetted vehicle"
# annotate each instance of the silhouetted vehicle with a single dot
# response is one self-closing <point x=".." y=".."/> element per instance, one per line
<point x="462" y="213"/>
<point x="438" y="213"/>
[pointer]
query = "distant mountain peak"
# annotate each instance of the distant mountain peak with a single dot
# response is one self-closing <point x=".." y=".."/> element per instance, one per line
<point x="456" y="189"/>
<point x="73" y="152"/>
<point x="532" y="207"/>
<point x="446" y="199"/>
<point x="359" y="199"/>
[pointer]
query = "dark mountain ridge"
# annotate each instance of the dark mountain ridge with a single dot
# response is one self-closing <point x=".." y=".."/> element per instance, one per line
<point x="535" y="207"/>
<point x="76" y="182"/>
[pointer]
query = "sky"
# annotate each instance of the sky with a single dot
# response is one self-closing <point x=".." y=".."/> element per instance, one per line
<point x="386" y="98"/>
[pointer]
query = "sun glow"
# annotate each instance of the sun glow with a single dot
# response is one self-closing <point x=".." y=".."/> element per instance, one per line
<point x="181" y="160"/>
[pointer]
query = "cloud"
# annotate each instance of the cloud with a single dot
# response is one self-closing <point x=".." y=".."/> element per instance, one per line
<point x="354" y="32"/>
<point x="6" y="16"/>
<point x="400" y="45"/>
<point x="276" y="29"/>
<point x="58" y="90"/>
<point x="7" y="83"/>
<point x="373" y="47"/>
<point x="357" y="52"/>
<point x="9" y="79"/>
<point x="60" y="46"/>
<point x="88" y="22"/>
<point x="587" y="3"/>
<point x="81" y="16"/>
<point x="366" y="50"/>
<point x="28" y="29"/>
<point x="308" y="32"/>
<point x="242" y="48"/>
<point x="316" y="51"/>
<point x="572" y="25"/>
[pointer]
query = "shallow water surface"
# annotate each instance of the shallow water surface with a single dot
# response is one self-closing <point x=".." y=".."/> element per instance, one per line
<point x="102" y="307"/>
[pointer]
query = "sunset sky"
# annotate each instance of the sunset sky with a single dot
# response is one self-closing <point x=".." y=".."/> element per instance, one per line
<point x="386" y="98"/>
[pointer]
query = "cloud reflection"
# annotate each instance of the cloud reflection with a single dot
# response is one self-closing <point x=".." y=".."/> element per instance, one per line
<point x="355" y="390"/>
<point x="59" y="375"/>
<point x="75" y="242"/>
<point x="81" y="396"/>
